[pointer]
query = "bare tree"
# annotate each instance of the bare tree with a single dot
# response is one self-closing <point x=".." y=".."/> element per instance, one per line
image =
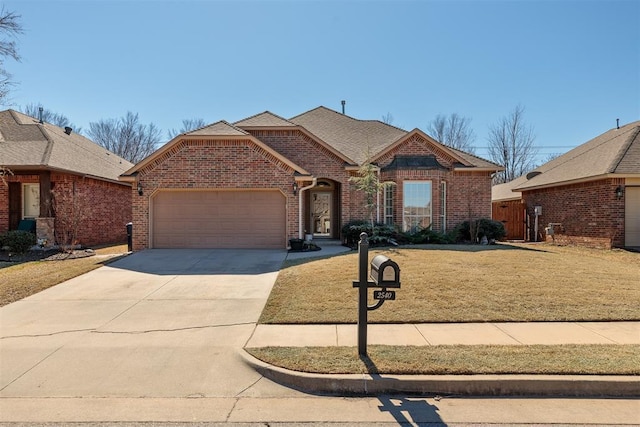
<point x="511" y="144"/>
<point x="49" y="116"/>
<point x="387" y="119"/>
<point x="10" y="28"/>
<point x="126" y="136"/>
<point x="453" y="131"/>
<point x="187" y="126"/>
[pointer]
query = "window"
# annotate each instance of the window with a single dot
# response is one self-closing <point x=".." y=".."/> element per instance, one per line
<point x="388" y="205"/>
<point x="31" y="201"/>
<point x="416" y="205"/>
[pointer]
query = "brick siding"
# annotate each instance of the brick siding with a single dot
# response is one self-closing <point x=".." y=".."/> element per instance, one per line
<point x="590" y="213"/>
<point x="106" y="207"/>
<point x="221" y="164"/>
<point x="238" y="163"/>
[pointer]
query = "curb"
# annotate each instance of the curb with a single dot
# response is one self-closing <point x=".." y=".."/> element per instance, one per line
<point x="467" y="385"/>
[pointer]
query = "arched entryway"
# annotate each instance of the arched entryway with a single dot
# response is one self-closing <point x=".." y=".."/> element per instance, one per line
<point x="322" y="208"/>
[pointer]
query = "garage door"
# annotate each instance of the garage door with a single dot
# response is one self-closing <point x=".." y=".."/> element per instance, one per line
<point x="218" y="219"/>
<point x="632" y="216"/>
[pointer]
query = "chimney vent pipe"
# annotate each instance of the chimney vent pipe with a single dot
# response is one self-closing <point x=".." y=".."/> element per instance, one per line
<point x="343" y="102"/>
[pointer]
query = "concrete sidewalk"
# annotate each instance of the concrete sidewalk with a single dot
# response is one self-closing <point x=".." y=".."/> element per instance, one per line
<point x="545" y="333"/>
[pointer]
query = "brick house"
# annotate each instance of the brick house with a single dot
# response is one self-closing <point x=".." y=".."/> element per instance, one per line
<point x="263" y="180"/>
<point x="61" y="183"/>
<point x="590" y="194"/>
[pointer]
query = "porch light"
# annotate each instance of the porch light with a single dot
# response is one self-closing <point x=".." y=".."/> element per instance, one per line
<point x="295" y="188"/>
<point x="619" y="192"/>
<point x="140" y="192"/>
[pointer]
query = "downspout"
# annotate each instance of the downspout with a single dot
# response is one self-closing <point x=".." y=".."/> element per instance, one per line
<point x="314" y="181"/>
<point x="378" y="201"/>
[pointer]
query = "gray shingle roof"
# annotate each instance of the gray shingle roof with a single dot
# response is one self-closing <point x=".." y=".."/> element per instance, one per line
<point x="616" y="151"/>
<point x="221" y="128"/>
<point x="266" y="119"/>
<point x="350" y="136"/>
<point x="25" y="143"/>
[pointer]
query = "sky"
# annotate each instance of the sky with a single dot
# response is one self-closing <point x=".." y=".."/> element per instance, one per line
<point x="573" y="65"/>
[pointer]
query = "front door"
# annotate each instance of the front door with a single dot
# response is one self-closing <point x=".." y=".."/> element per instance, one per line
<point x="321" y="213"/>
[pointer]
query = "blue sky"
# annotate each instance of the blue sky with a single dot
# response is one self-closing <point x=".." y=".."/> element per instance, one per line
<point x="573" y="65"/>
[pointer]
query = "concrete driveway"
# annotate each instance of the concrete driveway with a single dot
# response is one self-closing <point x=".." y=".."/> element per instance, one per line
<point x="158" y="323"/>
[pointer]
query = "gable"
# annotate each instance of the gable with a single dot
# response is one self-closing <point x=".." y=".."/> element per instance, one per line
<point x="266" y="119"/>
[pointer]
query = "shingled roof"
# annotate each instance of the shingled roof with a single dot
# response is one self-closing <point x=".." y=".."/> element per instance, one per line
<point x="266" y="119"/>
<point x="616" y="152"/>
<point x="27" y="144"/>
<point x="221" y="128"/>
<point x="350" y="136"/>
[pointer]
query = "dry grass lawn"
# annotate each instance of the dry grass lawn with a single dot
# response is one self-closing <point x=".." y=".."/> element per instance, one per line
<point x="451" y="283"/>
<point x="18" y="281"/>
<point x="458" y="360"/>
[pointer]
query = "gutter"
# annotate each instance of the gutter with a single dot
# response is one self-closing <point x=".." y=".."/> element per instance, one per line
<point x="314" y="181"/>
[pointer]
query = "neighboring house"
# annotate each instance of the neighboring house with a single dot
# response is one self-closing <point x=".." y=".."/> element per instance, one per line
<point x="63" y="186"/>
<point x="263" y="180"/>
<point x="590" y="195"/>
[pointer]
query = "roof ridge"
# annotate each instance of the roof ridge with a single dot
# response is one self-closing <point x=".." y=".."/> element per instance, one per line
<point x="46" y="156"/>
<point x="622" y="153"/>
<point x="116" y="160"/>
<point x="231" y="125"/>
<point x="262" y="113"/>
<point x="565" y="158"/>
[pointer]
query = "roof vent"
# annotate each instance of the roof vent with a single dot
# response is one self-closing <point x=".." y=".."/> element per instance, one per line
<point x="343" y="102"/>
<point x="533" y="174"/>
<point x="40" y="111"/>
<point x="617" y="123"/>
<point x="68" y="130"/>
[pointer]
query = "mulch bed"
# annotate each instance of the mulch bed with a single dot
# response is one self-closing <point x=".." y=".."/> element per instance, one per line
<point x="45" y="255"/>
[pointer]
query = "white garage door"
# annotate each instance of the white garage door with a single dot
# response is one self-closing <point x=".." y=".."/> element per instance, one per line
<point x="632" y="216"/>
<point x="218" y="219"/>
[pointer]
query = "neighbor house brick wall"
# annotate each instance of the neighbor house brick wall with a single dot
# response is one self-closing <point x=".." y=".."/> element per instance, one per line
<point x="102" y="209"/>
<point x="4" y="196"/>
<point x="106" y="207"/>
<point x="212" y="164"/>
<point x="590" y="213"/>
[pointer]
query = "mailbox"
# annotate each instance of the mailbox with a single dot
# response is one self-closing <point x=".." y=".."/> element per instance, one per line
<point x="384" y="272"/>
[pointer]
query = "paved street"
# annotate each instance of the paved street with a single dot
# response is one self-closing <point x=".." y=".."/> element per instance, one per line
<point x="158" y="336"/>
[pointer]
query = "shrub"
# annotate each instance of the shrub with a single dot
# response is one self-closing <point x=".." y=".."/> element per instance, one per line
<point x="380" y="234"/>
<point x="18" y="241"/>
<point x="427" y="235"/>
<point x="492" y="230"/>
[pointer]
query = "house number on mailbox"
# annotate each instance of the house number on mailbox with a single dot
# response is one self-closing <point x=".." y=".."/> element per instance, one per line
<point x="384" y="274"/>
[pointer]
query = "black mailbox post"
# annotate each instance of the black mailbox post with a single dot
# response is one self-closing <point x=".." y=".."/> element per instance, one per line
<point x="385" y="273"/>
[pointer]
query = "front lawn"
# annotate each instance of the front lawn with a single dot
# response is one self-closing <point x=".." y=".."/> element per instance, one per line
<point x="20" y="280"/>
<point x="459" y="283"/>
